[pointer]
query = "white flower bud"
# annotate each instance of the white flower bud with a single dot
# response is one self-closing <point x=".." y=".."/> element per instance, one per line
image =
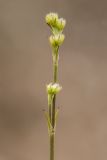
<point x="51" y="19"/>
<point x="60" y="24"/>
<point x="56" y="40"/>
<point x="53" y="88"/>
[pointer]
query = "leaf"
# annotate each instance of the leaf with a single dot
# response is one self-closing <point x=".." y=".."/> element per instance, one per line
<point x="48" y="122"/>
<point x="56" y="115"/>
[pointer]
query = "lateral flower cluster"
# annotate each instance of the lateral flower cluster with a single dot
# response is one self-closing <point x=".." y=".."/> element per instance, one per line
<point x="53" y="88"/>
<point x="57" y="25"/>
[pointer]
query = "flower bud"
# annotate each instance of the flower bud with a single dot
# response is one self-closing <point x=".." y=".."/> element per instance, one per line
<point x="61" y="23"/>
<point x="51" y="19"/>
<point x="56" y="40"/>
<point x="53" y="88"/>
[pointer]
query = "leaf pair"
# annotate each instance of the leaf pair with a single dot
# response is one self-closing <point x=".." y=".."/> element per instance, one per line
<point x="50" y="127"/>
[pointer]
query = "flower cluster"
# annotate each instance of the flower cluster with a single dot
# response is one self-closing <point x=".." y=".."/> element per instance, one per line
<point x="57" y="25"/>
<point x="53" y="88"/>
<point x="56" y="40"/>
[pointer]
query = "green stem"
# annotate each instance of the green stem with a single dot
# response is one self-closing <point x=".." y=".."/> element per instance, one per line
<point x="55" y="72"/>
<point x="55" y="65"/>
<point x="52" y="135"/>
<point x="50" y="107"/>
<point x="52" y="146"/>
<point x="53" y="111"/>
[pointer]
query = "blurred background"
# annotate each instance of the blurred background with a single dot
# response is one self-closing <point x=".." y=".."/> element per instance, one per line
<point x="26" y="68"/>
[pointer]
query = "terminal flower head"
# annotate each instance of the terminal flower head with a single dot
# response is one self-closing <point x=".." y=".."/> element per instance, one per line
<point x="51" y="19"/>
<point x="57" y="24"/>
<point x="61" y="24"/>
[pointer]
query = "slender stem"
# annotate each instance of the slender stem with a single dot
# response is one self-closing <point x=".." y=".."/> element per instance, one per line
<point x="50" y="113"/>
<point x="55" y="65"/>
<point x="52" y="134"/>
<point x="53" y="111"/>
<point x="55" y="71"/>
<point x="52" y="146"/>
<point x="50" y="107"/>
